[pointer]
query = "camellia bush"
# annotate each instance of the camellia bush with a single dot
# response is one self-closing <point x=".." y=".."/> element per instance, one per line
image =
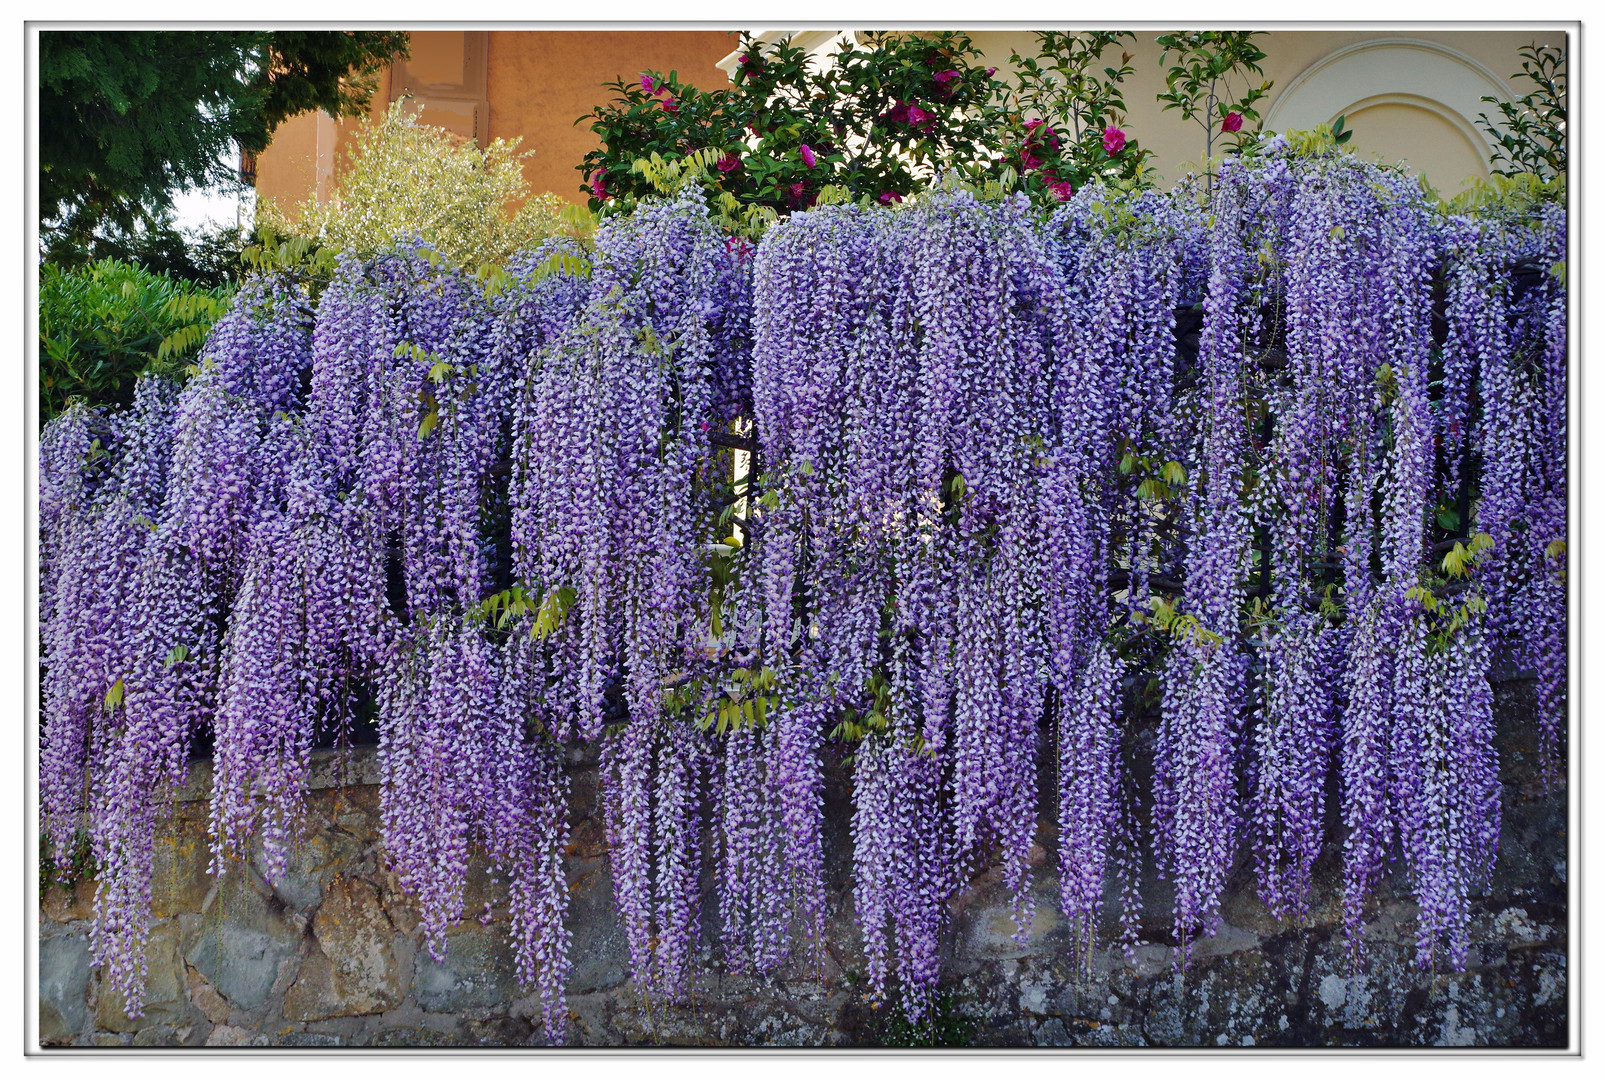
<point x="983" y="498"/>
<point x="883" y="118"/>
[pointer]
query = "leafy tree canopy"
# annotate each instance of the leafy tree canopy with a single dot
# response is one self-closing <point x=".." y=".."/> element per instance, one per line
<point x="128" y="117"/>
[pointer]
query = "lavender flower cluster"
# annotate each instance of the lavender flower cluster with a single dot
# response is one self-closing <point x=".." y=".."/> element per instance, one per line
<point x="956" y="485"/>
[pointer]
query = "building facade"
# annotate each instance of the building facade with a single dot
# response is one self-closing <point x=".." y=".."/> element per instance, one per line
<point x="1409" y="96"/>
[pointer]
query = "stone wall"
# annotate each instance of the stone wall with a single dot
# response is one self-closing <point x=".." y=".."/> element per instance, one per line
<point x="332" y="956"/>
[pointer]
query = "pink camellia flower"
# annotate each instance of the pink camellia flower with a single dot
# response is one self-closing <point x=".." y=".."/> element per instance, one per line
<point x="890" y="197"/>
<point x="1028" y="160"/>
<point x="1049" y="136"/>
<point x="1062" y="190"/>
<point x="808" y="156"/>
<point x="991" y="72"/>
<point x="1114" y="140"/>
<point x="945" y="80"/>
<point x="797" y="190"/>
<point x="919" y="118"/>
<point x="599" y="187"/>
<point x="1232" y="122"/>
<point x="648" y="85"/>
<point x="670" y="105"/>
<point x="898" y="114"/>
<point x="729" y="163"/>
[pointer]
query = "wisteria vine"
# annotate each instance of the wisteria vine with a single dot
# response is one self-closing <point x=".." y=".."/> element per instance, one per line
<point x="1261" y="488"/>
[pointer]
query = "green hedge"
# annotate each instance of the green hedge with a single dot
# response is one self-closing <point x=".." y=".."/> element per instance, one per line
<point x="103" y="324"/>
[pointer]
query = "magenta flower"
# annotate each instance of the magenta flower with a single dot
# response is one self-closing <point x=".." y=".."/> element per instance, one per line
<point x="599" y="187"/>
<point x="1048" y="134"/>
<point x="1232" y="122"/>
<point x="898" y="114"/>
<point x="808" y="156"/>
<point x="1028" y="160"/>
<point x="945" y="80"/>
<point x="648" y="85"/>
<point x="1114" y="140"/>
<point x="919" y="118"/>
<point x="1062" y="190"/>
<point x="890" y="197"/>
<point x="991" y="71"/>
<point x="670" y="105"/>
<point x="729" y="163"/>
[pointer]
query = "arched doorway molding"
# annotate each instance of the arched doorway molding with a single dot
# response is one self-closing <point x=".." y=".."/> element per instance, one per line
<point x="1401" y="71"/>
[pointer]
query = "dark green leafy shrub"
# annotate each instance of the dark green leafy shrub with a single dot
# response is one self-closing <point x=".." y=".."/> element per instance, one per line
<point x="104" y="324"/>
<point x="1531" y="131"/>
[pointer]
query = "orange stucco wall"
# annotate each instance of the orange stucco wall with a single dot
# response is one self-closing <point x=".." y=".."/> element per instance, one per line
<point x="542" y="80"/>
<point x="537" y="83"/>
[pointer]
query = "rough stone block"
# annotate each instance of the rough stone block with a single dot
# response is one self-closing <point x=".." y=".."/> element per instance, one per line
<point x="307" y="1038"/>
<point x="180" y="882"/>
<point x="225" y="1035"/>
<point x="477" y="972"/>
<point x="166" y="1000"/>
<point x="213" y="1005"/>
<point x="63" y="988"/>
<point x="322" y="852"/>
<point x="65" y="904"/>
<point x="412" y="1036"/>
<point x="483" y="894"/>
<point x="987" y="928"/>
<point x="498" y="1031"/>
<point x="194" y="1034"/>
<point x="355" y="968"/>
<point x="241" y="941"/>
<point x="599" y="954"/>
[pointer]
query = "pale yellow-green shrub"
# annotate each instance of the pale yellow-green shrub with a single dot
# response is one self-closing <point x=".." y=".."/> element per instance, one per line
<point x="403" y="179"/>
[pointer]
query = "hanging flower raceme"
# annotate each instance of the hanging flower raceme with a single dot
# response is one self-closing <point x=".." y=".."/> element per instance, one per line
<point x="1196" y="807"/>
<point x="1505" y="380"/>
<point x="1106" y="512"/>
<point x="283" y="660"/>
<point x="1335" y="341"/>
<point x="1292" y="747"/>
<point x="262" y="345"/>
<point x="100" y="763"/>
<point x="614" y="472"/>
<point x="979" y="278"/>
<point x="523" y="827"/>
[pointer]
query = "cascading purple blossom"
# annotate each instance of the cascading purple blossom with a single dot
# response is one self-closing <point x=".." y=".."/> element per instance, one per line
<point x="933" y="482"/>
<point x="1505" y="360"/>
<point x="1197" y="811"/>
<point x="1445" y="779"/>
<point x="1293" y="742"/>
<point x="614" y="470"/>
